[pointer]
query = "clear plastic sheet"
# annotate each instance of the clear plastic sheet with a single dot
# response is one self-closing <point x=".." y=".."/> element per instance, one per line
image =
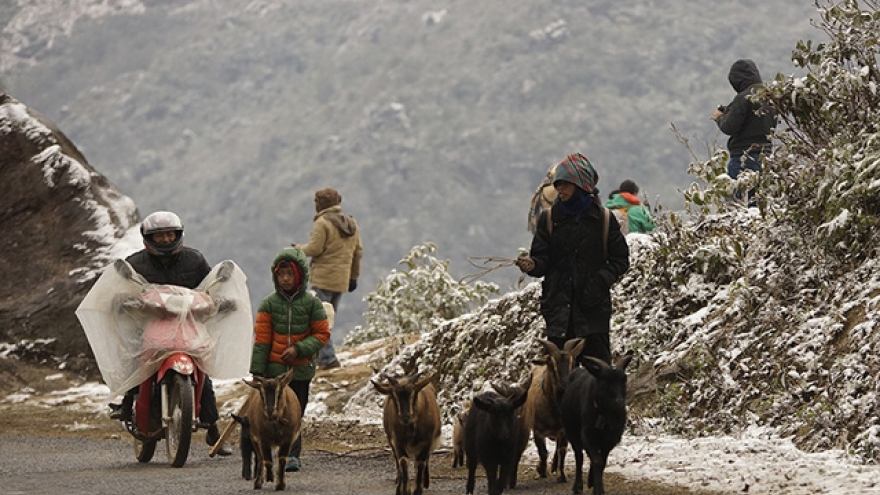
<point x="132" y="325"/>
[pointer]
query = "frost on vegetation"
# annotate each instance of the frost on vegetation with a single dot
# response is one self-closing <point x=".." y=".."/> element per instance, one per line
<point x="417" y="298"/>
<point x="740" y="317"/>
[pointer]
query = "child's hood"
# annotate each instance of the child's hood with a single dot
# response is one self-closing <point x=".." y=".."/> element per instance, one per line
<point x="295" y="255"/>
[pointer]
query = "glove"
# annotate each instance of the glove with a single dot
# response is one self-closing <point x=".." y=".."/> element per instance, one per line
<point x="352" y="285"/>
<point x="525" y="264"/>
<point x="225" y="271"/>
<point x="224" y="305"/>
<point x="123" y="268"/>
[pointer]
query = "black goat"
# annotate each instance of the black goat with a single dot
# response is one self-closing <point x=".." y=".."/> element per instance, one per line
<point x="247" y="447"/>
<point x="594" y="416"/>
<point x="522" y="430"/>
<point x="492" y="438"/>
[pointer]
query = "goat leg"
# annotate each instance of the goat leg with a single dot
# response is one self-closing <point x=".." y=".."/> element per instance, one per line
<point x="267" y="462"/>
<point x="578" y="486"/>
<point x="541" y="445"/>
<point x="427" y="473"/>
<point x="280" y="466"/>
<point x="598" y="461"/>
<point x="259" y="467"/>
<point x="559" y="458"/>
<point x="471" y="479"/>
<point x="403" y="476"/>
<point x="496" y="483"/>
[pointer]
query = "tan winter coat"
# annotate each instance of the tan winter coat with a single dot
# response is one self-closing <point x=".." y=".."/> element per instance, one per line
<point x="335" y="248"/>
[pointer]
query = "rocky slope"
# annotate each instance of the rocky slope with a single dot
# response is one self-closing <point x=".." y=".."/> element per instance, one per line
<point x="61" y="219"/>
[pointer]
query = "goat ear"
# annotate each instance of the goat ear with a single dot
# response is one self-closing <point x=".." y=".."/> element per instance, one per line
<point x="595" y="366"/>
<point x="383" y="388"/>
<point x="520" y="399"/>
<point x="501" y="388"/>
<point x="550" y="347"/>
<point x="482" y="403"/>
<point x="422" y="382"/>
<point x="286" y="378"/>
<point x="540" y="361"/>
<point x="574" y="347"/>
<point x="251" y="383"/>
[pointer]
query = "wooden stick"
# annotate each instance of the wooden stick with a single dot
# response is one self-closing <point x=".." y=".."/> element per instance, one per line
<point x="228" y="430"/>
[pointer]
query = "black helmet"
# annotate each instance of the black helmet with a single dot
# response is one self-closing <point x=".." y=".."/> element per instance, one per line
<point x="162" y="221"/>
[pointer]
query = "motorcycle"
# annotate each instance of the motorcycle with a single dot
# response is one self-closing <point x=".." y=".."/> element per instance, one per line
<point x="162" y="341"/>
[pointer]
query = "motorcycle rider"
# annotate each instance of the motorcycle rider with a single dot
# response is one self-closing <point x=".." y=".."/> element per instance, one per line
<point x="166" y="261"/>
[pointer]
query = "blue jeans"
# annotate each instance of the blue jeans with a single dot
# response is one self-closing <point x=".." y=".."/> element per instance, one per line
<point x="327" y="354"/>
<point x="746" y="161"/>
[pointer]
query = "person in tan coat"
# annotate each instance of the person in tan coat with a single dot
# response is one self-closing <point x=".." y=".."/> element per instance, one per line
<point x="335" y="249"/>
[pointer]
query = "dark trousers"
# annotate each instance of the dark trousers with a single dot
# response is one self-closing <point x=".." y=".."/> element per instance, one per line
<point x="208" y="412"/>
<point x="301" y="389"/>
<point x="595" y="330"/>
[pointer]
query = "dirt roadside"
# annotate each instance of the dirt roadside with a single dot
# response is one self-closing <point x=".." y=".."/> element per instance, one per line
<point x="341" y="445"/>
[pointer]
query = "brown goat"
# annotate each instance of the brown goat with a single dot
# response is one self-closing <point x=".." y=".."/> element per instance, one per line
<point x="458" y="436"/>
<point x="275" y="419"/>
<point x="542" y="408"/>
<point x="411" y="419"/>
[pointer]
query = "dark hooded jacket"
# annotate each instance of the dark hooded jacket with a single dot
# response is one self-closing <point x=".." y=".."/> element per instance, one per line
<point x="284" y="320"/>
<point x="748" y="123"/>
<point x="577" y="275"/>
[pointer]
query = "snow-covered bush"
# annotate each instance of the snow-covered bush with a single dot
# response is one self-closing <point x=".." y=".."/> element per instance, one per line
<point x="417" y="298"/>
<point x="766" y="316"/>
<point x="741" y="317"/>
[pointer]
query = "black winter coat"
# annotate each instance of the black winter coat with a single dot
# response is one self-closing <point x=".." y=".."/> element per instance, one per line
<point x="187" y="268"/>
<point x="748" y="123"/>
<point x="577" y="276"/>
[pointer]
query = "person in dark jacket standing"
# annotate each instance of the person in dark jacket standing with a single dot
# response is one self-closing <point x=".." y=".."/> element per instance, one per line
<point x="579" y="259"/>
<point x="291" y="327"/>
<point x="748" y="121"/>
<point x="336" y="251"/>
<point x="166" y="261"/>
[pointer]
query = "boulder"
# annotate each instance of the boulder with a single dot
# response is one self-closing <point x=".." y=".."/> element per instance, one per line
<point x="61" y="223"/>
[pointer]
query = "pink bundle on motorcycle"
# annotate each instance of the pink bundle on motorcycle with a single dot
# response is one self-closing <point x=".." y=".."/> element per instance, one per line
<point x="132" y="325"/>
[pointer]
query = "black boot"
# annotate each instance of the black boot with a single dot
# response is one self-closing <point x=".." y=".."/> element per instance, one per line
<point x="211" y="438"/>
<point x="122" y="412"/>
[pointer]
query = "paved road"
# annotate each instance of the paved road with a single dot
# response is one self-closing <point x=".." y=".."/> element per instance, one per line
<point x="89" y="466"/>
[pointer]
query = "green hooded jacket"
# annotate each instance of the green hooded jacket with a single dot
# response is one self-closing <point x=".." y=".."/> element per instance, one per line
<point x="284" y="321"/>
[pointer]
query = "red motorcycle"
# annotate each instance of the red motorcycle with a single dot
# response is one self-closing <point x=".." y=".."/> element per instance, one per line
<point x="168" y="338"/>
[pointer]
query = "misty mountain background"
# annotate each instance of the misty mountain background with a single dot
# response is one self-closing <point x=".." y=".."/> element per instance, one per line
<point x="435" y="120"/>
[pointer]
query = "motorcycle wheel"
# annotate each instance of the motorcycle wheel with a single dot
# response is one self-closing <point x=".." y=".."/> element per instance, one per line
<point x="144" y="450"/>
<point x="178" y="433"/>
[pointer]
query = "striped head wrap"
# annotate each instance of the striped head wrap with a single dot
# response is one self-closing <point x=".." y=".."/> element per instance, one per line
<point x="578" y="170"/>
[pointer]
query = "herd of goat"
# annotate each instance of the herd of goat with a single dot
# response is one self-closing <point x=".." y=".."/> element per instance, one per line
<point x="584" y="406"/>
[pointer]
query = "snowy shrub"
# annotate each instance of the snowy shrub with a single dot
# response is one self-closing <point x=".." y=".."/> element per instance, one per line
<point x="739" y="317"/>
<point x="417" y="298"/>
